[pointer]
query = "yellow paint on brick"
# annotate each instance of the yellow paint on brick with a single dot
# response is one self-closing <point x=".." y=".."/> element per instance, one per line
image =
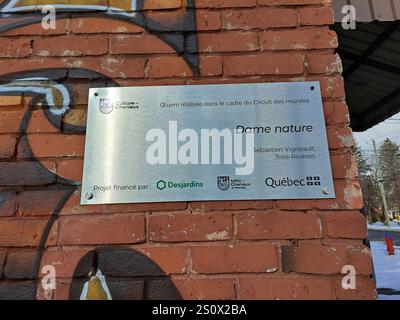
<point x="9" y="101"/>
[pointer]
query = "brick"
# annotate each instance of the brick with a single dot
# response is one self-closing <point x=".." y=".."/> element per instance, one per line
<point x="28" y="173"/>
<point x="53" y="146"/>
<point x="234" y="259"/>
<point x="9" y="66"/>
<point x="278" y="225"/>
<point x="171" y="260"/>
<point x="347" y="225"/>
<point x="344" y="166"/>
<point x="162" y="289"/>
<point x="317" y="259"/>
<point x="115" y="229"/>
<point x="146" y="207"/>
<point x="102" y="25"/>
<point x="144" y="44"/>
<point x="8" y="101"/>
<point x="365" y="290"/>
<point x="208" y="20"/>
<point x="298" y="40"/>
<point x="39" y="123"/>
<point x="231" y="205"/>
<point x="62" y="291"/>
<point x="18" y="48"/>
<point x="261" y="64"/>
<point x="71" y="169"/>
<point x="177" y="227"/>
<point x="170" y="66"/>
<point x="25" y="233"/>
<point x="21" y="290"/>
<point x="163" y="67"/>
<point x="225" y="3"/>
<point x="65" y="262"/>
<point x="224" y="42"/>
<point x="285" y="288"/>
<point x="126" y="288"/>
<point x="21" y="265"/>
<point x="339" y="138"/>
<point x="160" y="4"/>
<point x="40" y="202"/>
<point x="331" y="87"/>
<point x="123" y="67"/>
<point x="34" y="29"/>
<point x="206" y="289"/>
<point x="294" y="205"/>
<point x="324" y="63"/>
<point x="316" y="16"/>
<point x="210" y="65"/>
<point x="148" y="261"/>
<point x="348" y="196"/>
<point x="353" y="194"/>
<point x="10" y="120"/>
<point x="8" y="143"/>
<point x="73" y="207"/>
<point x="112" y="67"/>
<point x="77" y="117"/>
<point x="336" y="113"/>
<point x="260" y="18"/>
<point x="7" y="202"/>
<point x="65" y="46"/>
<point x="169" y="21"/>
<point x="290" y="2"/>
<point x="2" y="260"/>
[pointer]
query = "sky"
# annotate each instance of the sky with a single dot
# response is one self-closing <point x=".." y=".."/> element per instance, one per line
<point x="387" y="129"/>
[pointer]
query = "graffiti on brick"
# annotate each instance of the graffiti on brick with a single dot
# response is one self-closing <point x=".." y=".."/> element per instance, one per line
<point x="127" y="273"/>
<point x="165" y="25"/>
<point x="137" y="277"/>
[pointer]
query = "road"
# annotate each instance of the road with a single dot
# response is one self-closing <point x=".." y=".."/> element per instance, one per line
<point x="379" y="235"/>
<point x="384" y="268"/>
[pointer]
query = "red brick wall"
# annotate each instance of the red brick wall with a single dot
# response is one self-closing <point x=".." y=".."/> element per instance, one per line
<point x="200" y="250"/>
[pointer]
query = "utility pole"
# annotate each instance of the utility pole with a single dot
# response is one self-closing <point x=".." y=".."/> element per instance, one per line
<point x="379" y="179"/>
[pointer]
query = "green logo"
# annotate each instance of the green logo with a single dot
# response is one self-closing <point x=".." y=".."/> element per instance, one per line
<point x="161" y="185"/>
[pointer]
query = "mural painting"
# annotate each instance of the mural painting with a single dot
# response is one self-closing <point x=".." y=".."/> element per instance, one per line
<point x="52" y="90"/>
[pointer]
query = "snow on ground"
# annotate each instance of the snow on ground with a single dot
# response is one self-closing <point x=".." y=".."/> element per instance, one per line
<point x="388" y="297"/>
<point x="394" y="226"/>
<point x="387" y="269"/>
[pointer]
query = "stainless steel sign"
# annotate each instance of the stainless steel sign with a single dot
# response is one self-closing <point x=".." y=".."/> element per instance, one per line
<point x="206" y="142"/>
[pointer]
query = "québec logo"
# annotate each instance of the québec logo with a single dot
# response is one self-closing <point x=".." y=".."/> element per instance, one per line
<point x="106" y="106"/>
<point x="289" y="182"/>
<point x="313" y="181"/>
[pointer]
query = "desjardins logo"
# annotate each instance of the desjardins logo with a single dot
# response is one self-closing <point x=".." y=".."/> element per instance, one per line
<point x="161" y="185"/>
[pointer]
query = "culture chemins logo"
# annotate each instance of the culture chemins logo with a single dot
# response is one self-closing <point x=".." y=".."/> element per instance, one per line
<point x="106" y="106"/>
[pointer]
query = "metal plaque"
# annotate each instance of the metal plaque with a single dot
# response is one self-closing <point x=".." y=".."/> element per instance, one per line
<point x="206" y="142"/>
